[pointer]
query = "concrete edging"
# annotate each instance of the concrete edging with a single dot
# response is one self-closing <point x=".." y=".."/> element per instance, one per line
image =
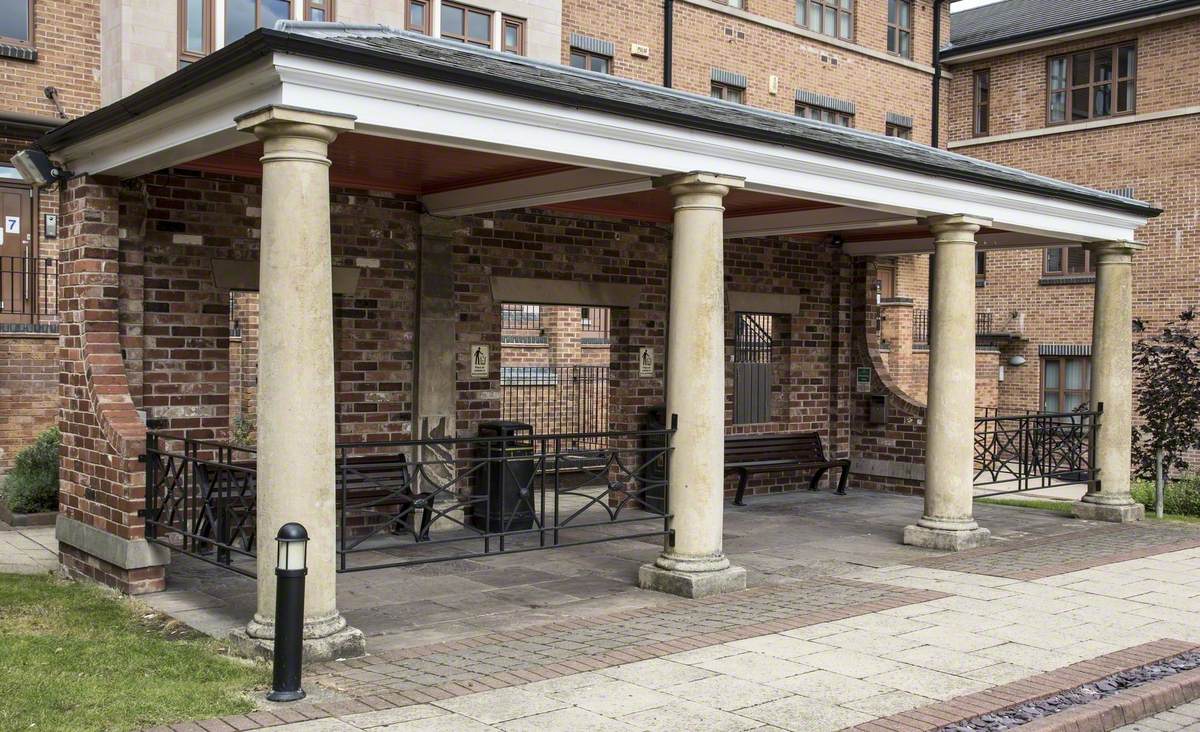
<point x="123" y="553"/>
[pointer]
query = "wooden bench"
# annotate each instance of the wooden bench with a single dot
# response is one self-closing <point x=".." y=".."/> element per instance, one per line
<point x="372" y="482"/>
<point x="769" y="453"/>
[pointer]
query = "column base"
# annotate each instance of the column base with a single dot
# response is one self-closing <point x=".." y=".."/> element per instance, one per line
<point x="946" y="539"/>
<point x="346" y="643"/>
<point x="1120" y="513"/>
<point x="678" y="579"/>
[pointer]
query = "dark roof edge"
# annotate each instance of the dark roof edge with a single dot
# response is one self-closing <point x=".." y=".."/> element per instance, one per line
<point x="264" y="41"/>
<point x="949" y="52"/>
<point x="24" y="125"/>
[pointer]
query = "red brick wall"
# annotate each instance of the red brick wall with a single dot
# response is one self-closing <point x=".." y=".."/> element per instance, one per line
<point x="705" y="38"/>
<point x="1156" y="158"/>
<point x="28" y="390"/>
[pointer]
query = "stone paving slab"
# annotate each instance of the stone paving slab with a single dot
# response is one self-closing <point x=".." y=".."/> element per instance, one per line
<point x="1072" y="551"/>
<point x="28" y="550"/>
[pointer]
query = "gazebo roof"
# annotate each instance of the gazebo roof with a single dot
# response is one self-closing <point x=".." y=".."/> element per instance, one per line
<point x="385" y="49"/>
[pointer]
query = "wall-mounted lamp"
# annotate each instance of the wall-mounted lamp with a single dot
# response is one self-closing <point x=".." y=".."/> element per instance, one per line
<point x="1016" y="361"/>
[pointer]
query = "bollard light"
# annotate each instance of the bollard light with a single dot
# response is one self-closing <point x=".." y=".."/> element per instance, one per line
<point x="291" y="565"/>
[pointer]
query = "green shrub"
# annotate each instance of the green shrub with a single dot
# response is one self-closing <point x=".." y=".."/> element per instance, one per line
<point x="32" y="484"/>
<point x="1180" y="497"/>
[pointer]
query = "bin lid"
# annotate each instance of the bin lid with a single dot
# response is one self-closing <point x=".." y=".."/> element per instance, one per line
<point x="505" y="426"/>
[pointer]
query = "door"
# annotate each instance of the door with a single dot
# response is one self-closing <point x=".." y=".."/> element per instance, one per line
<point x="15" y="253"/>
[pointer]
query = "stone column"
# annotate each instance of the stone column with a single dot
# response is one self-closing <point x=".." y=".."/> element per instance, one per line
<point x="950" y="417"/>
<point x="1112" y="384"/>
<point x="296" y="427"/>
<point x="694" y="565"/>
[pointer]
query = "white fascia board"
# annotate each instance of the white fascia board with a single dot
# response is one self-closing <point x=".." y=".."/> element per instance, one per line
<point x="410" y="108"/>
<point x="539" y="190"/>
<point x="924" y="245"/>
<point x="198" y="125"/>
<point x="841" y="218"/>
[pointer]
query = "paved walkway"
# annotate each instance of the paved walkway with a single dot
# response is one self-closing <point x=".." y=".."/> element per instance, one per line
<point x="829" y="637"/>
<point x="27" y="550"/>
<point x="1186" y="717"/>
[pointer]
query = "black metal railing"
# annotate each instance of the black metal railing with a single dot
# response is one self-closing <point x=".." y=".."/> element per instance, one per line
<point x="520" y="317"/>
<point x="558" y="400"/>
<point x="1034" y="450"/>
<point x="594" y="320"/>
<point x="920" y="325"/>
<point x="200" y="499"/>
<point x="414" y="502"/>
<point x="28" y="286"/>
<point x="752" y="341"/>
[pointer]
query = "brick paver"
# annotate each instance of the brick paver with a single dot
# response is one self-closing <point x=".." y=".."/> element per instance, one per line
<point x="1069" y="552"/>
<point x="1183" y="717"/>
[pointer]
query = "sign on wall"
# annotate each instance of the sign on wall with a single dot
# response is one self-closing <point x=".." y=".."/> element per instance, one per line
<point x="862" y="380"/>
<point x="12" y="224"/>
<point x="480" y="360"/>
<point x="645" y="362"/>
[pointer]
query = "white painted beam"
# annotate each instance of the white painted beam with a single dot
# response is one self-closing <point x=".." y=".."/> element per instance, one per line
<point x="540" y="190"/>
<point x="924" y="244"/>
<point x="812" y="221"/>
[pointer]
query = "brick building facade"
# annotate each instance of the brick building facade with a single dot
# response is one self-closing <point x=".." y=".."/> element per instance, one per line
<point x="1039" y="302"/>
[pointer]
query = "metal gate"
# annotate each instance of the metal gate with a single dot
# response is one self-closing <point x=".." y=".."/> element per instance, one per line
<point x="752" y="357"/>
<point x="558" y="400"/>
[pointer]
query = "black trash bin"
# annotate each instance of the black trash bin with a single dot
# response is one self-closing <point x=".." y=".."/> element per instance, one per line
<point x="506" y="478"/>
<point x="650" y="480"/>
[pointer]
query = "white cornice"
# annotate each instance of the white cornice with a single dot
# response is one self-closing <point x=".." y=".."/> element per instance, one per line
<point x="1094" y="124"/>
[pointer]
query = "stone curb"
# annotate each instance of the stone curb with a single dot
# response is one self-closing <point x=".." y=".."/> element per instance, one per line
<point x="1127" y="707"/>
<point x="959" y="709"/>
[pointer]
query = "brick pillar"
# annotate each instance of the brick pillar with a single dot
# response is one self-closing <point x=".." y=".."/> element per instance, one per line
<point x="102" y="484"/>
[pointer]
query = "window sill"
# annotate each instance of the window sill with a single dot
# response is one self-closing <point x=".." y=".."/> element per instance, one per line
<point x="19" y="52"/>
<point x="981" y="283"/>
<point x="1068" y="280"/>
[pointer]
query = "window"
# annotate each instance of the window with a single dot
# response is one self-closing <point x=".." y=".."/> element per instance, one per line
<point x="1067" y="261"/>
<point x="728" y="92"/>
<point x="739" y="4"/>
<point x="824" y="114"/>
<point x="581" y="59"/>
<point x="753" y="350"/>
<point x="1092" y="84"/>
<point x="16" y="21"/>
<point x="900" y="28"/>
<point x="980" y="267"/>
<point x="1066" y="382"/>
<point x="829" y="17"/>
<point x="243" y="16"/>
<point x="195" y="30"/>
<point x="514" y="35"/>
<point x="466" y="24"/>
<point x="982" y="102"/>
<point x="318" y="10"/>
<point x="416" y="16"/>
<point x="896" y="130"/>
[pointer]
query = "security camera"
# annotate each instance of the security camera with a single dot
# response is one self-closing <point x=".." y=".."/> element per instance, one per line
<point x="37" y="169"/>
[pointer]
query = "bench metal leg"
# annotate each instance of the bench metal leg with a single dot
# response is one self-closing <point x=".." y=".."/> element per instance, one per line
<point x="812" y="484"/>
<point x="426" y="520"/>
<point x="841" y="489"/>
<point x="743" y="478"/>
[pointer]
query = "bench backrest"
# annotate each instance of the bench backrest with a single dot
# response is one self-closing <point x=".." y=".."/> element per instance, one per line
<point x="365" y="475"/>
<point x="799" y="446"/>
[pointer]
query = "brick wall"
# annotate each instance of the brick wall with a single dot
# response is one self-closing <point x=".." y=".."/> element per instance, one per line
<point x="28" y="390"/>
<point x="707" y="36"/>
<point x="1154" y="157"/>
<point x="67" y="40"/>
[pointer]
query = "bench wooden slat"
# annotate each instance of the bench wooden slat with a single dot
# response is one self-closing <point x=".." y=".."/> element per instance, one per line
<point x="746" y="454"/>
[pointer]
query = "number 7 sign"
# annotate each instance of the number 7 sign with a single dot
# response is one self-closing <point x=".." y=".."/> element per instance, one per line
<point x="12" y="225"/>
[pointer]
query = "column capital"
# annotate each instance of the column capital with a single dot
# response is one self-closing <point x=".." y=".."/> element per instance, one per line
<point x="699" y="179"/>
<point x="278" y="120"/>
<point x="1119" y="251"/>
<point x="946" y="223"/>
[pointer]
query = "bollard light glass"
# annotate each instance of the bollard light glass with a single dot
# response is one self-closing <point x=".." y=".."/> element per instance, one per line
<point x="292" y="543"/>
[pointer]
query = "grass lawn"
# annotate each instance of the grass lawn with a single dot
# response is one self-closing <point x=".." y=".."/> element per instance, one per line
<point x="74" y="657"/>
<point x="1065" y="508"/>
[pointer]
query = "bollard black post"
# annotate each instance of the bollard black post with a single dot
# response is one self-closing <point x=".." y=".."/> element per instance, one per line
<point x="290" y="570"/>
